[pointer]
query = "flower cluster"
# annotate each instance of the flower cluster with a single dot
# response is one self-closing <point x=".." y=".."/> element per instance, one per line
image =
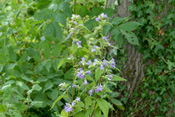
<point x="102" y="16"/>
<point x="68" y="107"/>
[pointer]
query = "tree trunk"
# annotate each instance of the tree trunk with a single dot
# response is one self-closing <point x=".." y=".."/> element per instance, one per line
<point x="133" y="69"/>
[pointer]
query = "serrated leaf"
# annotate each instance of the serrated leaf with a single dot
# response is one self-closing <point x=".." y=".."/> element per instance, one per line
<point x="47" y="86"/>
<point x="57" y="50"/>
<point x="88" y="102"/>
<point x="129" y="26"/>
<point x="131" y="37"/>
<point x="59" y="17"/>
<point x="103" y="106"/>
<point x="83" y="11"/>
<point x="95" y="11"/>
<point x="66" y="9"/>
<point x="98" y="73"/>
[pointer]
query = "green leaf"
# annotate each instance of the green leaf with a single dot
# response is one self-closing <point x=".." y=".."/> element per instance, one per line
<point x="109" y="12"/>
<point x="64" y="114"/>
<point x="59" y="17"/>
<point x="43" y="14"/>
<point x="129" y="26"/>
<point x="12" y="54"/>
<point x="66" y="9"/>
<point x="24" y="77"/>
<point x="47" y="86"/>
<point x="170" y="64"/>
<point x="57" y="50"/>
<point x="103" y="106"/>
<point x="90" y="24"/>
<point x="121" y="107"/>
<point x="61" y="63"/>
<point x="20" y="106"/>
<point x="53" y="29"/>
<point x="58" y="99"/>
<point x="88" y="102"/>
<point x="116" y="102"/>
<point x="117" y="78"/>
<point x="98" y="73"/>
<point x="54" y="94"/>
<point x="106" y="29"/>
<point x="131" y="37"/>
<point x="46" y="51"/>
<point x="83" y="11"/>
<point x="37" y="104"/>
<point x="36" y="87"/>
<point x="1" y="67"/>
<point x="95" y="11"/>
<point x="118" y="20"/>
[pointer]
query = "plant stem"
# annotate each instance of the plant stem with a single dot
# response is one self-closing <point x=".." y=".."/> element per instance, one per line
<point x="74" y="6"/>
<point x="84" y="99"/>
<point x="73" y="78"/>
<point x="93" y="110"/>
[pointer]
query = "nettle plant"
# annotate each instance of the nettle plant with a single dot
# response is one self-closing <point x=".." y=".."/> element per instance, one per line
<point x="89" y="93"/>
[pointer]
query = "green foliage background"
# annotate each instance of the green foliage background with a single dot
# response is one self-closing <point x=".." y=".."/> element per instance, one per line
<point x="32" y="44"/>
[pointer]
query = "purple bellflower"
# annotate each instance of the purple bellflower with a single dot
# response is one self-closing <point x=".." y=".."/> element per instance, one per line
<point x="85" y="82"/>
<point x="68" y="107"/>
<point x="89" y="62"/>
<point x="97" y="19"/>
<point x="105" y="62"/>
<point x="90" y="92"/>
<point x="88" y="72"/>
<point x="77" y="99"/>
<point x="79" y="44"/>
<point x="99" y="88"/>
<point x="101" y="67"/>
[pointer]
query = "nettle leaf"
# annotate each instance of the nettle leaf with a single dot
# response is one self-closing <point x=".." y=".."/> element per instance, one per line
<point x="43" y="14"/>
<point x="118" y="20"/>
<point x="131" y="37"/>
<point x="109" y="12"/>
<point x="60" y="17"/>
<point x="47" y="86"/>
<point x="103" y="106"/>
<point x="53" y="29"/>
<point x="129" y="26"/>
<point x="57" y="50"/>
<point x="117" y="78"/>
<point x="83" y="11"/>
<point x="106" y="29"/>
<point x="12" y="54"/>
<point x="95" y="11"/>
<point x="88" y="102"/>
<point x="90" y="24"/>
<point x="66" y="9"/>
<point x="98" y="73"/>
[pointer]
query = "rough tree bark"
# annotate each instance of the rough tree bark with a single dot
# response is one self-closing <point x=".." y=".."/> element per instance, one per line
<point x="133" y="69"/>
